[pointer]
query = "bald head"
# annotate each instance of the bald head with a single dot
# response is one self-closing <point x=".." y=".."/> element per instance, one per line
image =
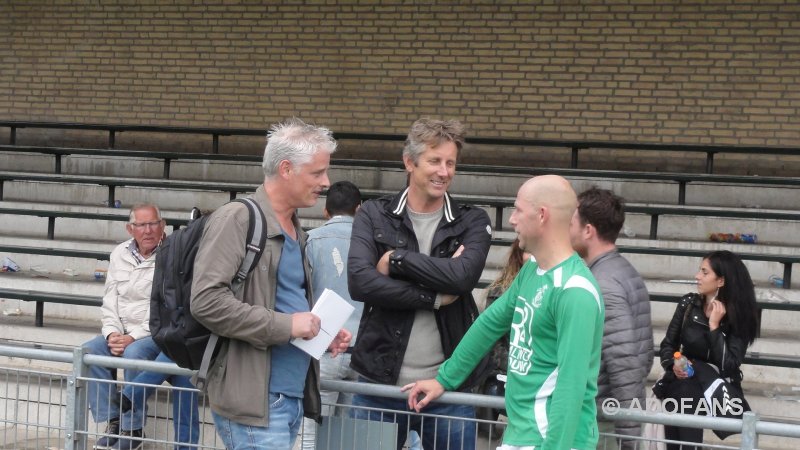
<point x="542" y="212"/>
<point x="553" y="192"/>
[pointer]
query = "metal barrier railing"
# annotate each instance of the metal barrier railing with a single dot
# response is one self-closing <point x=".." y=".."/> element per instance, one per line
<point x="41" y="408"/>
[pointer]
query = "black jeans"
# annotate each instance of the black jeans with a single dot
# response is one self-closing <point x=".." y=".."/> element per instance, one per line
<point x="683" y="396"/>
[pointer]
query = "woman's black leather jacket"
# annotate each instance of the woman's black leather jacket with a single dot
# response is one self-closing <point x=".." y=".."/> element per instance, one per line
<point x="688" y="331"/>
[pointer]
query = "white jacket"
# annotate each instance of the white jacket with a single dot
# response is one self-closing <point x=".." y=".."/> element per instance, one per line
<point x="126" y="303"/>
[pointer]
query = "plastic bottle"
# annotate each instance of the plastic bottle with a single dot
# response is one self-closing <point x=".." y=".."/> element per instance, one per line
<point x="731" y="238"/>
<point x="776" y="281"/>
<point x="748" y="238"/>
<point x="100" y="274"/>
<point x="682" y="363"/>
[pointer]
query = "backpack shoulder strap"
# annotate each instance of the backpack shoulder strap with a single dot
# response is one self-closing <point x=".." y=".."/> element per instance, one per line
<point x="256" y="240"/>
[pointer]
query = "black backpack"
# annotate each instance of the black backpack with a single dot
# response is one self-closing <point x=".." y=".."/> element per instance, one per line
<point x="174" y="330"/>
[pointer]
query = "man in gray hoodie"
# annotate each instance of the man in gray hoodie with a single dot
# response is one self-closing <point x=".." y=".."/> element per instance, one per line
<point x="627" y="354"/>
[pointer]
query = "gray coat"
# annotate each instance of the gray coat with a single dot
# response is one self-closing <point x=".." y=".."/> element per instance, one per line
<point x="627" y="354"/>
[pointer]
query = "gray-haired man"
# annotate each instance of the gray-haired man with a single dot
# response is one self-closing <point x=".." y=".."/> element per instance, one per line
<point x="259" y="385"/>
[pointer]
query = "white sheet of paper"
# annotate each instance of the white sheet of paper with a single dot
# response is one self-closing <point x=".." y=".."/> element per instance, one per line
<point x="333" y="312"/>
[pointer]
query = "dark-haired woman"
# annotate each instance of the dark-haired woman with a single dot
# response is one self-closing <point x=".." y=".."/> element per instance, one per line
<point x="714" y="325"/>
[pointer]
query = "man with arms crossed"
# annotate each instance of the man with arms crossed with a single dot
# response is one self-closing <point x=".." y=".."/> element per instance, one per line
<point x="414" y="259"/>
<point x="554" y="312"/>
<point x="627" y="354"/>
<point x="259" y="385"/>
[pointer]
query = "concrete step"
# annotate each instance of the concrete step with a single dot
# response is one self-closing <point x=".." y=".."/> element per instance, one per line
<point x="391" y="178"/>
<point x="364" y="177"/>
<point x="476" y="183"/>
<point x="58" y="333"/>
<point x="47" y="266"/>
<point x="635" y="234"/>
<point x="95" y="195"/>
<point x="670" y="227"/>
<point x="93" y="230"/>
<point x="685" y="267"/>
<point x="52" y="311"/>
<point x="76" y="283"/>
<point x="699" y="228"/>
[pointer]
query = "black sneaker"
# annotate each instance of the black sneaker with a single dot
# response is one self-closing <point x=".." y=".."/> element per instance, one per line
<point x="110" y="436"/>
<point x="129" y="440"/>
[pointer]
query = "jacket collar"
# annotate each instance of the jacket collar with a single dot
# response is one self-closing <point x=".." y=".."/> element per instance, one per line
<point x="339" y="219"/>
<point x="607" y="255"/>
<point x="132" y="248"/>
<point x="273" y="230"/>
<point x="400" y="201"/>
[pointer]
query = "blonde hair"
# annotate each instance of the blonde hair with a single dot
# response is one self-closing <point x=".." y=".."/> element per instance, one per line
<point x="516" y="260"/>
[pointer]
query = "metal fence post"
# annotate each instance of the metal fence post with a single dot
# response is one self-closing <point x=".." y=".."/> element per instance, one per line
<point x="749" y="435"/>
<point x="77" y="425"/>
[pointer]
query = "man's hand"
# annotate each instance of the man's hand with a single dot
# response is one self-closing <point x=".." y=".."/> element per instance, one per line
<point x="383" y="263"/>
<point x="340" y="343"/>
<point x="117" y="342"/>
<point x="447" y="299"/>
<point x="305" y="325"/>
<point x="429" y="389"/>
<point x="679" y="373"/>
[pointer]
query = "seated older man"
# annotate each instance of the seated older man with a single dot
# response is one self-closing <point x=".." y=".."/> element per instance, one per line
<point x="125" y="325"/>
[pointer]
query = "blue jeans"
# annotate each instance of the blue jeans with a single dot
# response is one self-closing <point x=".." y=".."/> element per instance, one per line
<point x="185" y="416"/>
<point x="103" y="397"/>
<point x="436" y="433"/>
<point x="285" y="417"/>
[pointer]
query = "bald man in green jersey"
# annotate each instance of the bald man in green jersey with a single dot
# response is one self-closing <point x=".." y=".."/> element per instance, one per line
<point x="554" y="312"/>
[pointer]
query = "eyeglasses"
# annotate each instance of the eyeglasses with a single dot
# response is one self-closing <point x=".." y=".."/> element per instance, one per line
<point x="141" y="226"/>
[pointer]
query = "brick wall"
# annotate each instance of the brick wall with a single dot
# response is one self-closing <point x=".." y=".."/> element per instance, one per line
<point x="703" y="71"/>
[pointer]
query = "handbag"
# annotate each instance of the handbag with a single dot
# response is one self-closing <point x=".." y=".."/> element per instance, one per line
<point x="660" y="388"/>
<point x="723" y="398"/>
